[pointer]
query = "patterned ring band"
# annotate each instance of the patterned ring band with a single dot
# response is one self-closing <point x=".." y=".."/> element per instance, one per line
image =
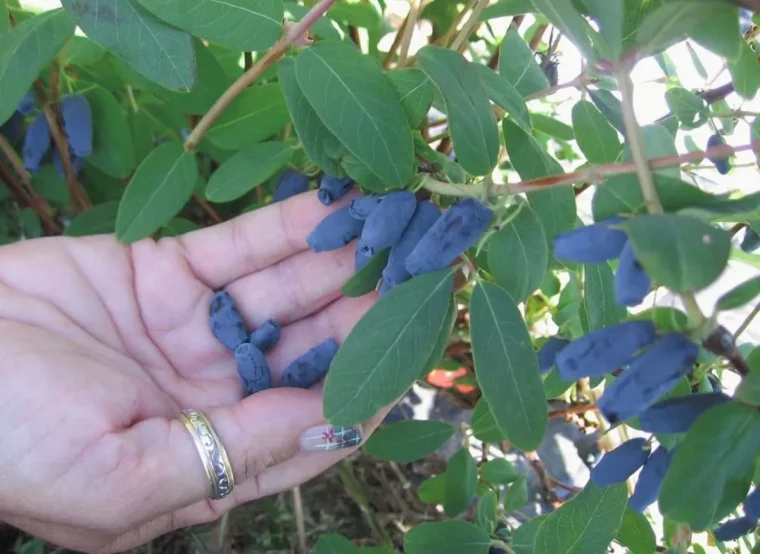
<point x="212" y="453"/>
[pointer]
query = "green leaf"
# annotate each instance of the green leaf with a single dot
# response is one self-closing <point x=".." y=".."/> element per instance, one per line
<point x="235" y="24"/>
<point x="498" y="472"/>
<point x="485" y="513"/>
<point x="507" y="367"/>
<point x="50" y="185"/>
<point x="609" y="14"/>
<point x="690" y="109"/>
<point x="722" y="36"/>
<point x="440" y="537"/>
<point x="5" y="23"/>
<point x="735" y="492"/>
<point x="257" y="114"/>
<point x="461" y="479"/>
<point x="695" y="61"/>
<point x="596" y="138"/>
<point x="415" y="91"/>
<point x="567" y="316"/>
<point x="720" y="445"/>
<point x="322" y="28"/>
<point x="357" y="103"/>
<point x="247" y="169"/>
<point x="636" y="533"/>
<point x="599" y="297"/>
<point x="740" y="295"/>
<point x="30" y="224"/>
<point x="24" y="52"/>
<point x="335" y="544"/>
<point x="745" y="73"/>
<point x="503" y="93"/>
<point x="98" y="220"/>
<point x="517" y="495"/>
<point x="610" y="106"/>
<point x="585" y="524"/>
<point x="552" y="127"/>
<point x="81" y="51"/>
<point x="409" y="440"/>
<point x="320" y="145"/>
<point x="113" y="150"/>
<point x="444" y="338"/>
<point x="694" y="255"/>
<point x="524" y="539"/>
<point x="518" y="254"/>
<point x="178" y="226"/>
<point x="365" y="280"/>
<point x="518" y="64"/>
<point x="386" y="350"/>
<point x="484" y="425"/>
<point x="432" y="489"/>
<point x="140" y="125"/>
<point x="563" y="15"/>
<point x="504" y="8"/>
<point x="748" y="390"/>
<point x="671" y="23"/>
<point x="554" y="386"/>
<point x="159" y="52"/>
<point x="472" y="124"/>
<point x="159" y="189"/>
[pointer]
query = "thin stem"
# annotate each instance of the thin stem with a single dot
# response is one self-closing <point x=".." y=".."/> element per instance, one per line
<point x="580" y="80"/>
<point x="206" y="207"/>
<point x="452" y="31"/>
<point x="579" y="409"/>
<point x="300" y="525"/>
<point x="406" y="39"/>
<point x="439" y="136"/>
<point x="354" y="489"/>
<point x="535" y="41"/>
<point x="249" y="77"/>
<point x="396" y="41"/>
<point x="469" y="26"/>
<point x="747" y="322"/>
<point x="132" y="100"/>
<point x="247" y="60"/>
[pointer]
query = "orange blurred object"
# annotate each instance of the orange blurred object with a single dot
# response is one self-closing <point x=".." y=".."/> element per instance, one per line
<point x="445" y="380"/>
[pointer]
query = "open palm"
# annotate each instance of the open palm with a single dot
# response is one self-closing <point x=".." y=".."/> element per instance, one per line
<point x="101" y="345"/>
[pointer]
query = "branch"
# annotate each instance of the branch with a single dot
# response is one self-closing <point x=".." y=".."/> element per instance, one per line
<point x="469" y="26"/>
<point x="396" y="41"/>
<point x="295" y="33"/>
<point x="579" y="409"/>
<point x="580" y="80"/>
<point x="746" y="323"/>
<point x="410" y="24"/>
<point x="210" y="211"/>
<point x="452" y="31"/>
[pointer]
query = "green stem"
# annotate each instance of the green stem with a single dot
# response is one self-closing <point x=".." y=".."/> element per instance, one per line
<point x="353" y="487"/>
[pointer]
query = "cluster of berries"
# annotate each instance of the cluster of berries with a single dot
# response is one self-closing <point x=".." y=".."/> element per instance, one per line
<point x="250" y="349"/>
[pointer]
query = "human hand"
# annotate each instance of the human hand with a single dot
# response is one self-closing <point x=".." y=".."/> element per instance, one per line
<point x="101" y="346"/>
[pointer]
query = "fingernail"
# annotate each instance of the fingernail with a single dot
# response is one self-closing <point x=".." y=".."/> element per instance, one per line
<point x="327" y="438"/>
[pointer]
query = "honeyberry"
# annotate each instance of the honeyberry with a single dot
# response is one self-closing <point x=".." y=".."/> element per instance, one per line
<point x="722" y="163"/>
<point x="335" y="231"/>
<point x="267" y="336"/>
<point x="28" y="104"/>
<point x="548" y="353"/>
<point x="733" y="529"/>
<point x="752" y="505"/>
<point x="675" y="415"/>
<point x="632" y="283"/>
<point x="77" y="124"/>
<point x="291" y="183"/>
<point x="253" y="369"/>
<point x="36" y="143"/>
<point x="650" y="479"/>
<point x="591" y="244"/>
<point x="77" y="164"/>
<point x="619" y="464"/>
<point x="311" y="367"/>
<point x="386" y="223"/>
<point x="226" y="322"/>
<point x="362" y="207"/>
<point x="751" y="240"/>
<point x="333" y="188"/>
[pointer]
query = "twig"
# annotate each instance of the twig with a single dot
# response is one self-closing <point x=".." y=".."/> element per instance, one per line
<point x="580" y="80"/>
<point x="579" y="409"/>
<point x="206" y="207"/>
<point x="406" y="39"/>
<point x="469" y="26"/>
<point x="439" y="136"/>
<point x="396" y="41"/>
<point x="221" y="537"/>
<point x="250" y="76"/>
<point x="543" y="476"/>
<point x="353" y="487"/>
<point x="300" y="525"/>
<point x="452" y="31"/>
<point x="746" y="323"/>
<point x="535" y="41"/>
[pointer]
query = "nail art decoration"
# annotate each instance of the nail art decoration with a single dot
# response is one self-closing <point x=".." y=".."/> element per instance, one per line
<point x="327" y="438"/>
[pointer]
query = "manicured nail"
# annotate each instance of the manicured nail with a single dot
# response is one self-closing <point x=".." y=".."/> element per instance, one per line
<point x="327" y="438"/>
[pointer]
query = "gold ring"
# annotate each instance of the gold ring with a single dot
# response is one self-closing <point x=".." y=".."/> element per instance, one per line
<point x="212" y="452"/>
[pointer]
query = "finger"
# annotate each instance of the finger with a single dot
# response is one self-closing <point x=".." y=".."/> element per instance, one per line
<point x="221" y="254"/>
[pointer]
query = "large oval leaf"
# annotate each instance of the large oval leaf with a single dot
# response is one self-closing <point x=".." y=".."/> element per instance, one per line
<point x="357" y="103"/>
<point x="407" y="441"/>
<point x="99" y="220"/>
<point x="565" y="17"/>
<point x="247" y="169"/>
<point x="636" y="533"/>
<point x="518" y="64"/>
<point x="503" y="93"/>
<point x="472" y="124"/>
<point x="235" y="24"/>
<point x="158" y="190"/>
<point x="415" y="90"/>
<point x="161" y="53"/>
<point x="596" y="137"/>
<point x="506" y="366"/>
<point x="25" y="50"/>
<point x="335" y="544"/>
<point x="461" y="480"/>
<point x="599" y="297"/>
<point x="446" y="536"/>
<point x="385" y="352"/>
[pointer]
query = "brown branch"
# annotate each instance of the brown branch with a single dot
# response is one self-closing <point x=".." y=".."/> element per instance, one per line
<point x="396" y="42"/>
<point x="746" y="323"/>
<point x="353" y="32"/>
<point x="248" y="60"/>
<point x="410" y="23"/>
<point x="543" y="477"/>
<point x="206" y="207"/>
<point x="578" y="409"/>
<point x="535" y="41"/>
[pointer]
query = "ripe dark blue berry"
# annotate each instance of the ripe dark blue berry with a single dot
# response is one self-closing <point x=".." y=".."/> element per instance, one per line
<point x="28" y="104"/>
<point x="548" y="353"/>
<point x="733" y="529"/>
<point x="362" y="207"/>
<point x="601" y="352"/>
<point x="723" y="163"/>
<point x="752" y="505"/>
<point x="226" y="322"/>
<point x="649" y="376"/>
<point x="619" y="464"/>
<point x="290" y="183"/>
<point x="335" y="231"/>
<point x="591" y="244"/>
<point x="650" y="479"/>
<point x="36" y="143"/>
<point x="395" y="273"/>
<point x="675" y="415"/>
<point x="455" y="231"/>
<point x="386" y="223"/>
<point x="267" y="336"/>
<point x="552" y="73"/>
<point x="333" y="188"/>
<point x="632" y="283"/>
<point x="77" y="124"/>
<point x="310" y="368"/>
<point x="253" y="369"/>
<point x="751" y="240"/>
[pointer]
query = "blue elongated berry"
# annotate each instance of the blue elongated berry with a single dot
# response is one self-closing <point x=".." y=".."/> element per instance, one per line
<point x="675" y="415"/>
<point x="290" y="183"/>
<point x="548" y="353"/>
<point x="650" y="479"/>
<point x="751" y="240"/>
<point x="333" y="188"/>
<point x="226" y="322"/>
<point x="600" y="352"/>
<point x="253" y="369"/>
<point x="362" y="207"/>
<point x="77" y="124"/>
<point x="395" y="273"/>
<point x="36" y="143"/>
<point x="310" y="368"/>
<point x="632" y="283"/>
<point x="454" y="232"/>
<point x="386" y="223"/>
<point x="267" y="336"/>
<point x="752" y="505"/>
<point x="77" y="163"/>
<point x="619" y="464"/>
<point x="723" y="163"/>
<point x="649" y="376"/>
<point x="733" y="529"/>
<point x="28" y="104"/>
<point x="335" y="231"/>
<point x="13" y="129"/>
<point x="591" y="244"/>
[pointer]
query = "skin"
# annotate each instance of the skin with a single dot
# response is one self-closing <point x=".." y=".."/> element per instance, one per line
<point x="101" y="345"/>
